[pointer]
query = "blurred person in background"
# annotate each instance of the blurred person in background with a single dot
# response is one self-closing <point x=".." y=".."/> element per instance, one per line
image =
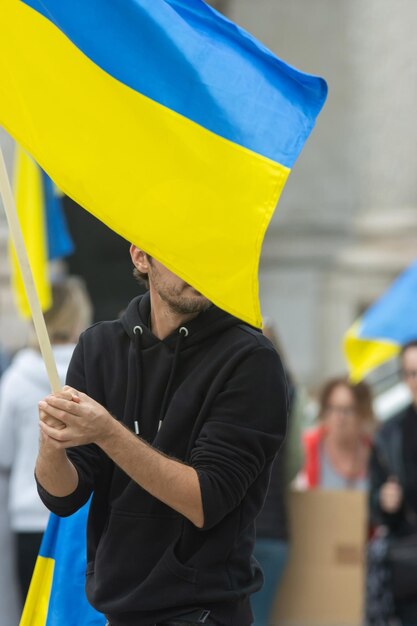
<point x="24" y="382"/>
<point x="4" y="362"/>
<point x="272" y="533"/>
<point x="393" y="508"/>
<point x="9" y="601"/>
<point x="337" y="450"/>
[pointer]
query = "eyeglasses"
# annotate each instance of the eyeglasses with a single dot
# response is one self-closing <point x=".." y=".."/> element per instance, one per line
<point x="345" y="411"/>
<point x="409" y="374"/>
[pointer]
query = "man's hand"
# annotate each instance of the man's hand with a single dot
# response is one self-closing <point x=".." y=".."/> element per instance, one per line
<point x="391" y="496"/>
<point x="71" y="418"/>
<point x="52" y="421"/>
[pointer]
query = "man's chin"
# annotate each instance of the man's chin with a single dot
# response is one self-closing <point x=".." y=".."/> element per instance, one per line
<point x="191" y="305"/>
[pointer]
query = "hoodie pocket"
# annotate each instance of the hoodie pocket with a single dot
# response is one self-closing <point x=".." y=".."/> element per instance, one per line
<point x="171" y="562"/>
<point x="136" y="566"/>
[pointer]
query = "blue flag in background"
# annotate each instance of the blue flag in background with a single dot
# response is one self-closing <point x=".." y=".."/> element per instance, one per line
<point x="385" y="327"/>
<point x="57" y="592"/>
<point x="60" y="244"/>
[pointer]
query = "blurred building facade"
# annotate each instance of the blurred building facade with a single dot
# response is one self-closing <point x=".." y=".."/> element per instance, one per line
<point x="347" y="221"/>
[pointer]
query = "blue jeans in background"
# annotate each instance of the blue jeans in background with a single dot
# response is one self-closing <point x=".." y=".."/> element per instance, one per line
<point x="272" y="556"/>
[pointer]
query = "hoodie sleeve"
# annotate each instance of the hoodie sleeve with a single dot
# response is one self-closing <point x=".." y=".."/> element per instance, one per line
<point x="87" y="460"/>
<point x="243" y="432"/>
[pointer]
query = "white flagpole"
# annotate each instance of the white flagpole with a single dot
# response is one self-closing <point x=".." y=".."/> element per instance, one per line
<point x="23" y="260"/>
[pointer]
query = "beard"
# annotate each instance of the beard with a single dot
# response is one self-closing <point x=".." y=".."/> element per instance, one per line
<point x="180" y="297"/>
<point x="185" y="305"/>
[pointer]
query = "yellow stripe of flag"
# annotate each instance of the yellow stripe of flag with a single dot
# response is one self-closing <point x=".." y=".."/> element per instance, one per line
<point x="29" y="196"/>
<point x="36" y="608"/>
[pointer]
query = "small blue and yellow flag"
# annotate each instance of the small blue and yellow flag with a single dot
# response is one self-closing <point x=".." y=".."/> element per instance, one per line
<point x="389" y="324"/>
<point x="56" y="595"/>
<point x="166" y="121"/>
<point x="43" y="227"/>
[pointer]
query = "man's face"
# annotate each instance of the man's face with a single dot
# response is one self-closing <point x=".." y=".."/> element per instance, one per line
<point x="175" y="292"/>
<point x="409" y="368"/>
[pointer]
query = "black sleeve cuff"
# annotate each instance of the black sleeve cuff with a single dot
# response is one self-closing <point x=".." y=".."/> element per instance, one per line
<point x="65" y="505"/>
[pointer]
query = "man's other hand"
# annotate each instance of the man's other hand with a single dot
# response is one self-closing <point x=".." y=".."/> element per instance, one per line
<point x="71" y="418"/>
<point x="52" y="421"/>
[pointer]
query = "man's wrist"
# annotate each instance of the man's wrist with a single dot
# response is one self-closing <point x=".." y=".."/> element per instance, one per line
<point x="49" y="451"/>
<point x="109" y="431"/>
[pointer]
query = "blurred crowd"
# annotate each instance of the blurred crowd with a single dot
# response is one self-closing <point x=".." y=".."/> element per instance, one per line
<point x="334" y="442"/>
<point x="347" y="448"/>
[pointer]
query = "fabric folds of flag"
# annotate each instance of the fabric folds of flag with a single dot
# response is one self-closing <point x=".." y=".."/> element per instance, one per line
<point x="389" y="324"/>
<point x="166" y="121"/>
<point x="56" y="594"/>
<point x="43" y="226"/>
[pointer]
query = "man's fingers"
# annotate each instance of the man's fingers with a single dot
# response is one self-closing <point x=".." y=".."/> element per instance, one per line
<point x="54" y="412"/>
<point x="65" y="395"/>
<point x="68" y="406"/>
<point x="75" y="395"/>
<point x="51" y="421"/>
<point x="61" y="436"/>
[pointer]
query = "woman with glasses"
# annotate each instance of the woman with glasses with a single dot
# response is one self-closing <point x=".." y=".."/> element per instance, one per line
<point x="337" y="450"/>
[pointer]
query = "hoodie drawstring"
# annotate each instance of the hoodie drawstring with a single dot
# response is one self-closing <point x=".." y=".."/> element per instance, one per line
<point x="182" y="333"/>
<point x="138" y="332"/>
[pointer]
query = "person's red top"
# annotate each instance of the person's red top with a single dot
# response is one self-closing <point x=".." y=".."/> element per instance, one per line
<point x="312" y="439"/>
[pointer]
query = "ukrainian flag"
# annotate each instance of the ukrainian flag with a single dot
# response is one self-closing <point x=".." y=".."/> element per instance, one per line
<point x="166" y="121"/>
<point x="389" y="324"/>
<point x="56" y="595"/>
<point x="43" y="227"/>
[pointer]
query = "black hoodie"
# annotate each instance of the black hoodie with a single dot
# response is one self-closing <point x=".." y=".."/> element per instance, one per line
<point x="212" y="394"/>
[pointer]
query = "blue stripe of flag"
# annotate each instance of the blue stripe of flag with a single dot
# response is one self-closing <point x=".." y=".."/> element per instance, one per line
<point x="394" y="316"/>
<point x="60" y="244"/>
<point x="189" y="58"/>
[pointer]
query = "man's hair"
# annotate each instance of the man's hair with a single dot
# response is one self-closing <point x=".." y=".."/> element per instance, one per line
<point x="142" y="277"/>
<point x="407" y="346"/>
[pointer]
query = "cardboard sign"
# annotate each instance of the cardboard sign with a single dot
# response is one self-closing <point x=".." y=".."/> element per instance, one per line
<point x="324" y="581"/>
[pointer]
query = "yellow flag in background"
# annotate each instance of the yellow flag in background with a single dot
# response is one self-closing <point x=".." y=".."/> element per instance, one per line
<point x="29" y="196"/>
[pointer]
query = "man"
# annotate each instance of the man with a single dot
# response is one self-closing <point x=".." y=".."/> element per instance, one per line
<point x="393" y="476"/>
<point x="172" y="418"/>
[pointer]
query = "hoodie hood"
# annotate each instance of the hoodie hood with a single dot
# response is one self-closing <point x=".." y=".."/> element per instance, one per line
<point x="210" y="322"/>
